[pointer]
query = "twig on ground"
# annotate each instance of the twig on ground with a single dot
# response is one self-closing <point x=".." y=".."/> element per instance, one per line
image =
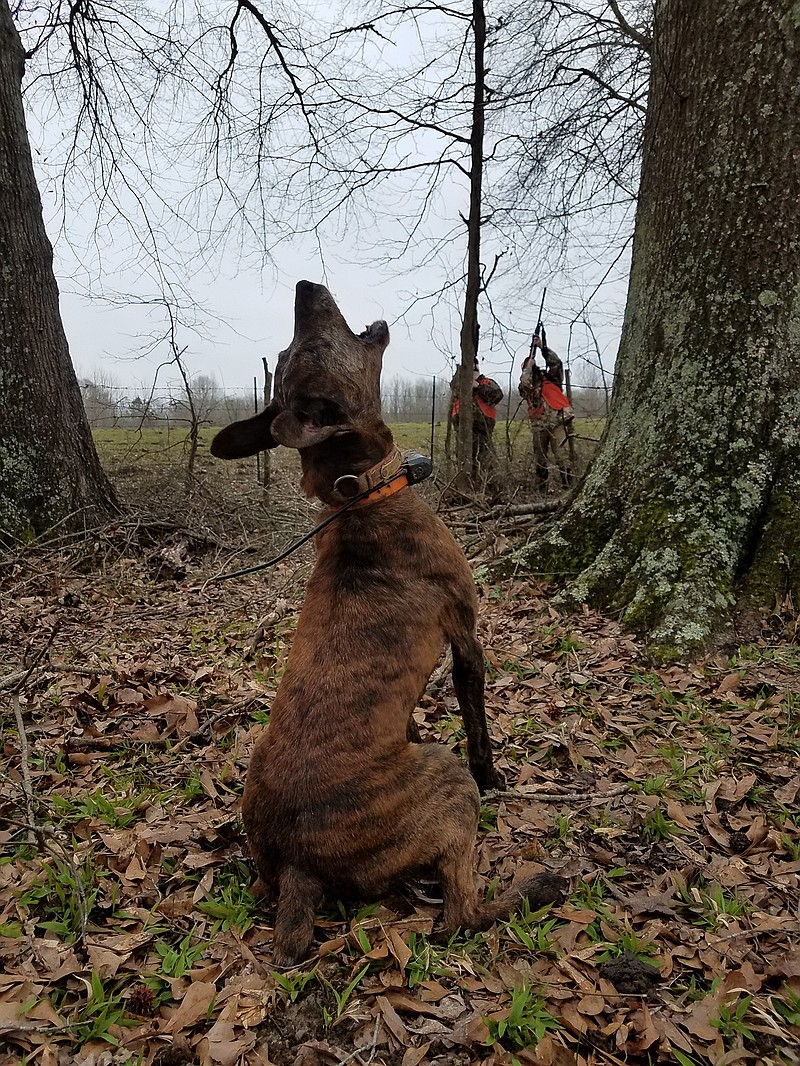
<point x="118" y="740"/>
<point x="208" y="725"/>
<point x="16" y="681"/>
<point x="372" y="1047"/>
<point x="27" y="786"/>
<point x="555" y="797"/>
<point x="18" y="678"/>
<point x="11" y="680"/>
<point x="481" y="545"/>
<point x="76" y="744"/>
<point x="282" y="608"/>
<point x="513" y="510"/>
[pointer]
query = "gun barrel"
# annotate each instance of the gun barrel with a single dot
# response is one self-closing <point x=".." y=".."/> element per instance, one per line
<point x="541" y="310"/>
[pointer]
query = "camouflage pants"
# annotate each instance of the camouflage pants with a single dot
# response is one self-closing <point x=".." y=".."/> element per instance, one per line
<point x="484" y="457"/>
<point x="549" y="434"/>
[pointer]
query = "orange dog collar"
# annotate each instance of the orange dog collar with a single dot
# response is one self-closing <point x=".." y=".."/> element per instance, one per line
<point x="377" y="477"/>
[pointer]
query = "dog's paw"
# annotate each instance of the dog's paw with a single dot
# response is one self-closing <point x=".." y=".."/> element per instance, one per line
<point x="488" y="778"/>
<point x="286" y="958"/>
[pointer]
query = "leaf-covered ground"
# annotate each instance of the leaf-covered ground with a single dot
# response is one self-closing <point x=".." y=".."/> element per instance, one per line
<point x="132" y="693"/>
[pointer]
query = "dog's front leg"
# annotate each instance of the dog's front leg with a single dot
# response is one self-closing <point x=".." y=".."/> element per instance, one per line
<point x="468" y="681"/>
<point x="299" y="896"/>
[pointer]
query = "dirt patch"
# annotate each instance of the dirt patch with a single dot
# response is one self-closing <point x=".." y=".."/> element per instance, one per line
<point x="630" y="975"/>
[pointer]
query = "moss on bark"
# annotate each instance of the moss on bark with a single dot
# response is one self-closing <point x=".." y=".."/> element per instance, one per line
<point x="771" y="571"/>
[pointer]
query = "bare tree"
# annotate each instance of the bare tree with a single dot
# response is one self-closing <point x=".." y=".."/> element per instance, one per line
<point x="101" y="400"/>
<point x="117" y="74"/>
<point x="410" y="399"/>
<point x="49" y="470"/>
<point x="582" y="72"/>
<point x="485" y="95"/>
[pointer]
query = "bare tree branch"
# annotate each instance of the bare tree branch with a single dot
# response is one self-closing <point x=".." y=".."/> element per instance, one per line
<point x="642" y="39"/>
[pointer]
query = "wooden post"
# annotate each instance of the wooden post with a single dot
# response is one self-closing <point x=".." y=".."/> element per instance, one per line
<point x="508" y="416"/>
<point x="433" y="414"/>
<point x="571" y="430"/>
<point x="255" y="412"/>
<point x="448" y="437"/>
<point x="267" y="464"/>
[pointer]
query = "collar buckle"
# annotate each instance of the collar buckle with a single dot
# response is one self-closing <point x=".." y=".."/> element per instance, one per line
<point x="348" y="485"/>
<point x="373" y="481"/>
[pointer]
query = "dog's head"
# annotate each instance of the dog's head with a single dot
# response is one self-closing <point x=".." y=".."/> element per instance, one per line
<point x="327" y="382"/>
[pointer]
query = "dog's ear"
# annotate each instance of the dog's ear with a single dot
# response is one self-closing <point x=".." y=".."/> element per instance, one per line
<point x="241" y="439"/>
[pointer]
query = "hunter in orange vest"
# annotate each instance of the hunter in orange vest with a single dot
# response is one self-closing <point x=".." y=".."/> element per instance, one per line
<point x="486" y="395"/>
<point x="549" y="412"/>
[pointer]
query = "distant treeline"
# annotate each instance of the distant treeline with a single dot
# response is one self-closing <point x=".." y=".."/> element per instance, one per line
<point x="109" y="405"/>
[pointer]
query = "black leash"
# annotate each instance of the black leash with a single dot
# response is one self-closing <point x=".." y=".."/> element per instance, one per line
<point x="415" y="467"/>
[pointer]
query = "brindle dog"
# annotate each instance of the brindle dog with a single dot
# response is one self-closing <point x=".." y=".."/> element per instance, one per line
<point x="340" y="797"/>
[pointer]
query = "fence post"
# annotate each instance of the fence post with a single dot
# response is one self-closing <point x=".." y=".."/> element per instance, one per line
<point x="433" y="414"/>
<point x="267" y="467"/>
<point x="508" y="416"/>
<point x="449" y="434"/>
<point x="570" y="434"/>
<point x="255" y="412"/>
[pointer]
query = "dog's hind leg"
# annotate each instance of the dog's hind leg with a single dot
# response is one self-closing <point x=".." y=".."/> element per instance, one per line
<point x="463" y="909"/>
<point x="458" y="880"/>
<point x="468" y="681"/>
<point x="299" y="895"/>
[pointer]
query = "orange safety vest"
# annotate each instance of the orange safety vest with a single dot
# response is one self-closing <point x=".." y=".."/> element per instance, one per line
<point x="484" y="407"/>
<point x="552" y="396"/>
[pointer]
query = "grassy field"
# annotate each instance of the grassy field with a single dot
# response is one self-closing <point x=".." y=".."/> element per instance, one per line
<point x="114" y="443"/>
<point x="150" y="466"/>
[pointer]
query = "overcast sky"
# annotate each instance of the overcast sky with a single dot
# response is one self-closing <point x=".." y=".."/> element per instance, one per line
<point x="238" y="301"/>
<point x="248" y="314"/>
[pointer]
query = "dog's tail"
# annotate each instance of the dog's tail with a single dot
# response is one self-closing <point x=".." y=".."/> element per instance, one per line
<point x="540" y="890"/>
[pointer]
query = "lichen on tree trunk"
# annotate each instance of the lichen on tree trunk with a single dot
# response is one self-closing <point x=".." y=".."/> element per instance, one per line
<point x="693" y="502"/>
<point x="49" y="470"/>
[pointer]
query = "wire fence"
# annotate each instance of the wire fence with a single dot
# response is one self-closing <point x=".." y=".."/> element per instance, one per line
<point x="164" y="423"/>
<point x="404" y="400"/>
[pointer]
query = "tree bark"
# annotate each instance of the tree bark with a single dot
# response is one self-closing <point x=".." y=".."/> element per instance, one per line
<point x="469" y="324"/>
<point x="49" y="470"/>
<point x="693" y="503"/>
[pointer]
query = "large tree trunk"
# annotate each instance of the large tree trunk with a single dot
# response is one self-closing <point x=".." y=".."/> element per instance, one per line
<point x="694" y="499"/>
<point x="49" y="470"/>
